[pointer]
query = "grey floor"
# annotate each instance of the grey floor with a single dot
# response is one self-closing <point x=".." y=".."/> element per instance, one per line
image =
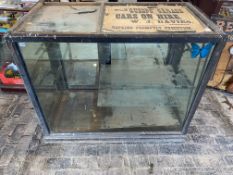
<point x="206" y="149"/>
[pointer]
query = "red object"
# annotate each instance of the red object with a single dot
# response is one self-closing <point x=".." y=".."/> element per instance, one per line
<point x="10" y="83"/>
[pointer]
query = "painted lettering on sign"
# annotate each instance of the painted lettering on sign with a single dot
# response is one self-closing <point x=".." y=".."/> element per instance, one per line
<point x="153" y="18"/>
<point x="226" y="26"/>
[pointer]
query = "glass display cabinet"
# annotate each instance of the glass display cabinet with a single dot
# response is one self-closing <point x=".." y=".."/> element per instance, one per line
<point x="115" y="70"/>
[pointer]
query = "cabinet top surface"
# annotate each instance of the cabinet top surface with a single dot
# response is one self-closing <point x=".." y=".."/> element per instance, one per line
<point x="112" y="18"/>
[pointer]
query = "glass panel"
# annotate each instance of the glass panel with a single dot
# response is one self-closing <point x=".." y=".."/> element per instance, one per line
<point x="195" y="72"/>
<point x="115" y="87"/>
<point x="63" y="19"/>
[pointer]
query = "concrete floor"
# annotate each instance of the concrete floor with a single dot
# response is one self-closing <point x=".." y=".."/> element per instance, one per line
<point x="206" y="149"/>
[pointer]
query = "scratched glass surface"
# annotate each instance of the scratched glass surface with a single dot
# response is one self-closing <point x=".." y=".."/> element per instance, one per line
<point x="64" y="19"/>
<point x="115" y="87"/>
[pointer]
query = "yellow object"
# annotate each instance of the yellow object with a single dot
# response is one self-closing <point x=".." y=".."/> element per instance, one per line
<point x="9" y="73"/>
<point x="7" y="26"/>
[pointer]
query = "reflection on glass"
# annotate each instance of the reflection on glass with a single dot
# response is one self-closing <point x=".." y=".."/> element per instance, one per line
<point x="114" y="87"/>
